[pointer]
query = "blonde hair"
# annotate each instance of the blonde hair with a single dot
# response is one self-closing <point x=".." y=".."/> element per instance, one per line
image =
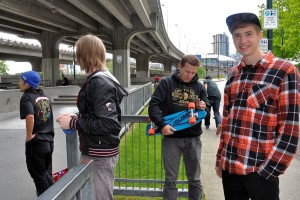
<point x="90" y="53"/>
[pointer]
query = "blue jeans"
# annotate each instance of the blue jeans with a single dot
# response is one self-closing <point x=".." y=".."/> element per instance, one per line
<point x="172" y="150"/>
<point x="215" y="104"/>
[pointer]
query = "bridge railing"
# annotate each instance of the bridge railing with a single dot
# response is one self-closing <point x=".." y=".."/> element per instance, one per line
<point x="140" y="171"/>
<point x="77" y="184"/>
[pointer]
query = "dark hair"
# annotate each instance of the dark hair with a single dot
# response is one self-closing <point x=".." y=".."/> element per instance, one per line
<point x="34" y="91"/>
<point x="241" y="24"/>
<point x="191" y="59"/>
<point x="208" y="77"/>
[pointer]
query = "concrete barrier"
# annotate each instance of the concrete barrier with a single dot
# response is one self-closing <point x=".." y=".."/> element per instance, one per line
<point x="10" y="99"/>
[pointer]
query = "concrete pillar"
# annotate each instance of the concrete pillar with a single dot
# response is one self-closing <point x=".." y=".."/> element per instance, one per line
<point x="50" y="71"/>
<point x="121" y="55"/>
<point x="36" y="64"/>
<point x="50" y="57"/>
<point x="142" y="66"/>
<point x="122" y="37"/>
<point x="121" y="66"/>
<point x="168" y="68"/>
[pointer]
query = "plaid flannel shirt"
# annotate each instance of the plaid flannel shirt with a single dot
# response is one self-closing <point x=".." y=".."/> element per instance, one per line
<point x="260" y="118"/>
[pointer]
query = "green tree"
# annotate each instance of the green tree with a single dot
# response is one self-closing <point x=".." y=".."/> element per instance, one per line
<point x="110" y="66"/>
<point x="3" y="67"/>
<point x="201" y="72"/>
<point x="286" y="38"/>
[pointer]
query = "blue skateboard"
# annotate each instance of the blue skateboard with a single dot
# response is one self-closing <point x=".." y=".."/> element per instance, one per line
<point x="180" y="120"/>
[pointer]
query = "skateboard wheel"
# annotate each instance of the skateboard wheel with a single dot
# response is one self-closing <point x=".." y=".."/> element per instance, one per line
<point x="191" y="105"/>
<point x="192" y="120"/>
<point x="151" y="131"/>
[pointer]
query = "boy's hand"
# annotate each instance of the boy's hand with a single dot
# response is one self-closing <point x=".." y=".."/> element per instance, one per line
<point x="200" y="104"/>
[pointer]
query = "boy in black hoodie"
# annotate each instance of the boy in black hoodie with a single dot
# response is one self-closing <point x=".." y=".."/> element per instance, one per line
<point x="172" y="95"/>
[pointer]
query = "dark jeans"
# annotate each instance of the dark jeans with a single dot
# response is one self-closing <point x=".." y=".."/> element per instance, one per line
<point x="39" y="163"/>
<point x="254" y="186"/>
<point x="215" y="104"/>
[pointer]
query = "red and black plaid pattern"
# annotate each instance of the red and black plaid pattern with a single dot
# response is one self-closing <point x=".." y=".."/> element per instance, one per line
<point x="260" y="118"/>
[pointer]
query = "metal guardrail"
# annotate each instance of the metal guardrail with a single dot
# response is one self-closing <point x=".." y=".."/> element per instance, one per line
<point x="136" y="100"/>
<point x="76" y="184"/>
<point x="140" y="171"/>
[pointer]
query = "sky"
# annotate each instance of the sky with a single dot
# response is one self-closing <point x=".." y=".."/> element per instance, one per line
<point x="191" y="24"/>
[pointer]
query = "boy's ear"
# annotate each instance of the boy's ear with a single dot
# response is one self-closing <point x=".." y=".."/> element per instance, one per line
<point x="260" y="35"/>
<point x="179" y="66"/>
<point x="27" y="85"/>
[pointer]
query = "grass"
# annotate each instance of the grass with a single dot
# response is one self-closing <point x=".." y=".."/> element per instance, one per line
<point x="140" y="156"/>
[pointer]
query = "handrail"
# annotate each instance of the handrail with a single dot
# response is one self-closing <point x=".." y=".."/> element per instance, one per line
<point x="72" y="184"/>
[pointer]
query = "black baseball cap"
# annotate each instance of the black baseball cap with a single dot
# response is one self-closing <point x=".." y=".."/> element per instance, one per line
<point x="242" y="17"/>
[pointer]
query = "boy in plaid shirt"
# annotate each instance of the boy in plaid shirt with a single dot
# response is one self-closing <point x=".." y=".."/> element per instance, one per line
<point x="260" y="125"/>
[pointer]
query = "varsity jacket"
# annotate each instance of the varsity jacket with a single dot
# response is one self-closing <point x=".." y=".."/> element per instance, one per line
<point x="99" y="115"/>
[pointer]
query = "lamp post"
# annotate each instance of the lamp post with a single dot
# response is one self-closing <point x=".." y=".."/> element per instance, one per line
<point x="167" y="17"/>
<point x="178" y="35"/>
<point x="74" y="61"/>
<point x="206" y="64"/>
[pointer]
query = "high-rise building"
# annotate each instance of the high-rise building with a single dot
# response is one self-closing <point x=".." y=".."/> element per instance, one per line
<point x="221" y="44"/>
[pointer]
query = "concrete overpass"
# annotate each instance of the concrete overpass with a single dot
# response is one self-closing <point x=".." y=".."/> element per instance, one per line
<point x="28" y="52"/>
<point x="129" y="28"/>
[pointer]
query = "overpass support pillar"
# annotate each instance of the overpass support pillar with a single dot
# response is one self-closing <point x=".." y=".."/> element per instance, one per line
<point x="121" y="55"/>
<point x="36" y="65"/>
<point x="50" y="71"/>
<point x="121" y="66"/>
<point x="142" y="66"/>
<point x="50" y="57"/>
<point x="167" y="68"/>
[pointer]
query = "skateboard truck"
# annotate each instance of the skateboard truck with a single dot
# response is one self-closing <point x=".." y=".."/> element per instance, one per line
<point x="191" y="107"/>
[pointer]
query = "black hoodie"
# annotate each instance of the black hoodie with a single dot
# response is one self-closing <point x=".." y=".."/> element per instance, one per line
<point x="172" y="95"/>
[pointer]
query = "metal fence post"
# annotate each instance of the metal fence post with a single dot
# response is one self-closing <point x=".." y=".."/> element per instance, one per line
<point x="73" y="153"/>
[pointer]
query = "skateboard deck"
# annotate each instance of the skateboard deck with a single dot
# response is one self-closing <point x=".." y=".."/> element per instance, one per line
<point x="57" y="175"/>
<point x="179" y="120"/>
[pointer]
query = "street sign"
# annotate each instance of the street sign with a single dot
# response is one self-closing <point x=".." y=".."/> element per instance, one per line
<point x="270" y="18"/>
<point x="264" y="44"/>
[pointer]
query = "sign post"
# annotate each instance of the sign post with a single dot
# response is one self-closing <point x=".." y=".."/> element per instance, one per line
<point x="270" y="19"/>
<point x="264" y="44"/>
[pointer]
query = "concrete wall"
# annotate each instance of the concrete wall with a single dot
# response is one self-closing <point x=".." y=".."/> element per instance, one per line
<point x="10" y="99"/>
